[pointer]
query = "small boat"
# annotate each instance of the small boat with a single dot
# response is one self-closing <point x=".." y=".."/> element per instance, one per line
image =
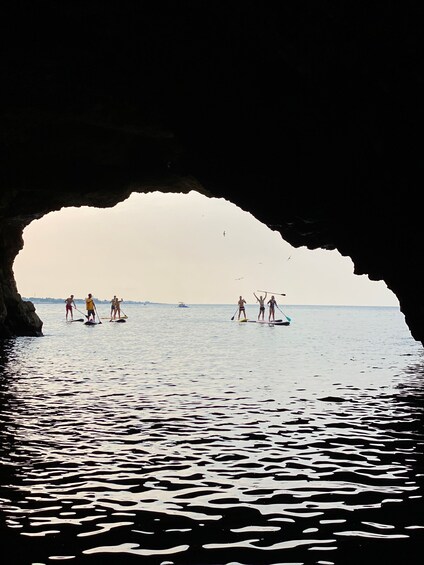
<point x="182" y="305"/>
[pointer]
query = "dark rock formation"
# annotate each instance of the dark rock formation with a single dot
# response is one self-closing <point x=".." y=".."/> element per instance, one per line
<point x="306" y="114"/>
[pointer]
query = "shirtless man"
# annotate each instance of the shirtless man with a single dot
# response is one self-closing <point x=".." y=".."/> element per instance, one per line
<point x="69" y="305"/>
<point x="241" y="304"/>
<point x="113" y="307"/>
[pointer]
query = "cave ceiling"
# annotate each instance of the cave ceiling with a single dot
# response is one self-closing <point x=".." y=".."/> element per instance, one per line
<point x="306" y="114"/>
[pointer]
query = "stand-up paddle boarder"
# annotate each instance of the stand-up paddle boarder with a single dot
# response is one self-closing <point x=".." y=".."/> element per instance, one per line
<point x="90" y="307"/>
<point x="69" y="305"/>
<point x="272" y="303"/>
<point x="261" y="301"/>
<point x="241" y="308"/>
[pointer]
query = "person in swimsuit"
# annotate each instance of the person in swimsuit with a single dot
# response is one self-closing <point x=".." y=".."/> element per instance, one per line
<point x="117" y="308"/>
<point x="241" y="303"/>
<point x="113" y="306"/>
<point x="90" y="307"/>
<point x="272" y="303"/>
<point x="261" y="301"/>
<point x="69" y="305"/>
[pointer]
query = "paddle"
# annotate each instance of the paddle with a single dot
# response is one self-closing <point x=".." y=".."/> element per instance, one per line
<point x="81" y="312"/>
<point x="268" y="292"/>
<point x="98" y="317"/>
<point x="235" y="313"/>
<point x="287" y="318"/>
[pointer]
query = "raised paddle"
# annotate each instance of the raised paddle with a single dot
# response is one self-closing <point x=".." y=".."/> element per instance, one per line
<point x="268" y="292"/>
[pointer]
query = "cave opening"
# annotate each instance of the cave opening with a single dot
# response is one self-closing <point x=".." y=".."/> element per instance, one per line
<point x="172" y="247"/>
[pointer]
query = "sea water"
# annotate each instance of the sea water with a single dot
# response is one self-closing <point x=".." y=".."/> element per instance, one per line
<point x="185" y="437"/>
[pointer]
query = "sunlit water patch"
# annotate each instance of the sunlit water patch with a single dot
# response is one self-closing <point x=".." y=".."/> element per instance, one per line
<point x="182" y="437"/>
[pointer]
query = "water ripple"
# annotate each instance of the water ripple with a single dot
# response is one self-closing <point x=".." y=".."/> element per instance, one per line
<point x="156" y="460"/>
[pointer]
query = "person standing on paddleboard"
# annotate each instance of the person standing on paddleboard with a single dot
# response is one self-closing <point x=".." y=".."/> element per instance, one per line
<point x="261" y="301"/>
<point x="272" y="303"/>
<point x="241" y="307"/>
<point x="113" y="307"/>
<point x="90" y="307"/>
<point x="117" y="308"/>
<point x="69" y="305"/>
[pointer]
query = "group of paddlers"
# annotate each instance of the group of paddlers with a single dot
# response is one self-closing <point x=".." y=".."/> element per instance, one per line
<point x="272" y="303"/>
<point x="90" y="306"/>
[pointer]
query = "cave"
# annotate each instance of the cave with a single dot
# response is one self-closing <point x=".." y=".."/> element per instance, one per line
<point x="307" y="115"/>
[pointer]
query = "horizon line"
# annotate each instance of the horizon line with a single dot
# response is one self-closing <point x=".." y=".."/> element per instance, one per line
<point x="153" y="303"/>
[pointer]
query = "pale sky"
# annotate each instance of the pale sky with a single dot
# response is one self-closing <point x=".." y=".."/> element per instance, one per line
<point x="171" y="248"/>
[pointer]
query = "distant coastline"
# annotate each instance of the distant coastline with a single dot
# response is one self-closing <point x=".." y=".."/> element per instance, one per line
<point x="48" y="300"/>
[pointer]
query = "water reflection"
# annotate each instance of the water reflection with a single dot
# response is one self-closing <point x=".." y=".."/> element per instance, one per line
<point x="116" y="464"/>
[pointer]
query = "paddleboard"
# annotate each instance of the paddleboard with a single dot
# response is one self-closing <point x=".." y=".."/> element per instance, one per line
<point x="273" y="323"/>
<point x="120" y="320"/>
<point x="265" y="321"/>
<point x="90" y="323"/>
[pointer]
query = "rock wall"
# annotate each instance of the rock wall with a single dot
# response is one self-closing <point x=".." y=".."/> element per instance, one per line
<point x="306" y="114"/>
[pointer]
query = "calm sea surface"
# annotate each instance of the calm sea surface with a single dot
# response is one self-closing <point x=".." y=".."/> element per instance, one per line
<point x="182" y="437"/>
